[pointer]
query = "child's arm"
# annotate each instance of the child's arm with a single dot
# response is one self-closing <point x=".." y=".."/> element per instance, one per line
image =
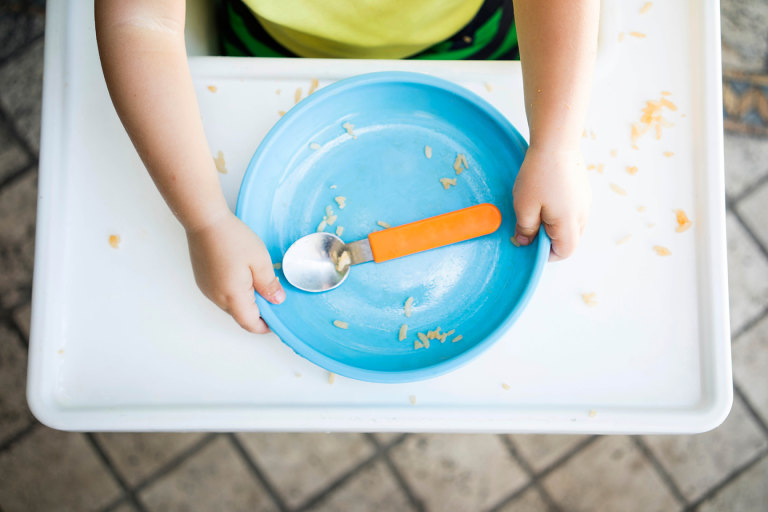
<point x="558" y="43"/>
<point x="141" y="44"/>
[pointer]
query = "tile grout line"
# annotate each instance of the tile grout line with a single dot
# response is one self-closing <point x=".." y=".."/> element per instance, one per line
<point x="732" y="201"/>
<point x="546" y="471"/>
<point x="395" y="471"/>
<point x="16" y="175"/>
<point x="715" y="489"/>
<point x="257" y="472"/>
<point x="24" y="47"/>
<point x="9" y="123"/>
<point x="660" y="469"/>
<point x="341" y="480"/>
<point x="750" y="408"/>
<point x="749" y="231"/>
<point x="750" y="324"/>
<point x="128" y="493"/>
<point x="512" y="451"/>
<point x="512" y="497"/>
<point x="174" y="463"/>
<point x="18" y="436"/>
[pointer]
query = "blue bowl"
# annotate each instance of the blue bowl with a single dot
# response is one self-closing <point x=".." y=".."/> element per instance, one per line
<point x="478" y="287"/>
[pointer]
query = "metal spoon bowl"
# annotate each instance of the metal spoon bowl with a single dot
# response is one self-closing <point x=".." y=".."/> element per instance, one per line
<point x="316" y="262"/>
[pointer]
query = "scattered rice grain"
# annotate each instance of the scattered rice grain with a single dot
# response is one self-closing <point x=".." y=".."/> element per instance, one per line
<point x="618" y="189"/>
<point x="383" y="224"/>
<point x="638" y="35"/>
<point x="632" y="169"/>
<point x="683" y="222"/>
<point x="297" y="95"/>
<point x="313" y="86"/>
<point x="341" y="324"/>
<point x="621" y="36"/>
<point x="332" y="186"/>
<point x="590" y="299"/>
<point x="339" y="230"/>
<point x="488" y="87"/>
<point x="623" y="240"/>
<point x="669" y="154"/>
<point x="212" y="88"/>
<point x="514" y="241"/>
<point x="592" y="413"/>
<point x="646" y="7"/>
<point x="640" y="208"/>
<point x="114" y="241"/>
<point x="428" y="151"/>
<point x="666" y="93"/>
<point x="417" y="345"/>
<point x="447" y="182"/>
<point x="315" y="146"/>
<point x="408" y="306"/>
<point x="423" y="337"/>
<point x="505" y="386"/>
<point x="321" y="227"/>
<point x="403" y="333"/>
<point x="341" y="201"/>
<point x="281" y="113"/>
<point x="661" y="251"/>
<point x="412" y="398"/>
<point x="350" y="128"/>
<point x="457" y="338"/>
<point x="220" y="164"/>
<point x="331" y="377"/>
<point x="332" y="220"/>
<point x="614" y="152"/>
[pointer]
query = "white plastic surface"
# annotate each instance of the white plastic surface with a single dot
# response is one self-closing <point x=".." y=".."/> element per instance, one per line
<point x="123" y="340"/>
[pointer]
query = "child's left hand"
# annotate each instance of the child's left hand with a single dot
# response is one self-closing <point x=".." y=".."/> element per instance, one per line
<point x="552" y="189"/>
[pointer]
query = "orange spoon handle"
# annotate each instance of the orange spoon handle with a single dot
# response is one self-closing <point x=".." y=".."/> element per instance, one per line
<point x="445" y="229"/>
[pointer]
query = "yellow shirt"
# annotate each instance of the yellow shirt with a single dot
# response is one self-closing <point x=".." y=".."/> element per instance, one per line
<point x="370" y="29"/>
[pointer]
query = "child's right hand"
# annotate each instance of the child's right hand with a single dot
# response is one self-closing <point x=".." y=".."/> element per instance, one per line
<point x="230" y="262"/>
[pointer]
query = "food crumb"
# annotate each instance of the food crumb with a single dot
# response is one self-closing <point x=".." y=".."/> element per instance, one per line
<point x="408" y="306"/>
<point x="448" y="182"/>
<point x="651" y="224"/>
<point x="621" y="36"/>
<point x="297" y="95"/>
<point x="332" y="220"/>
<point x="592" y="135"/>
<point x="383" y="224"/>
<point x="666" y="93"/>
<point x="584" y="133"/>
<point x="423" y="338"/>
<point x="600" y="168"/>
<point x="592" y="413"/>
<point x="623" y="240"/>
<point x="514" y="241"/>
<point x="349" y="127"/>
<point x="669" y="154"/>
<point x="315" y="146"/>
<point x="618" y="189"/>
<point x="321" y="227"/>
<point x="212" y="88"/>
<point x="632" y="169"/>
<point x="417" y="345"/>
<point x="403" y="333"/>
<point x="341" y="201"/>
<point x="506" y="386"/>
<point x="60" y="351"/>
<point x="281" y="113"/>
<point x="343" y="262"/>
<point x="467" y="39"/>
<point x="114" y="241"/>
<point x="639" y="35"/>
<point x="412" y="398"/>
<point x="614" y="152"/>
<point x="297" y="374"/>
<point x="332" y="186"/>
<point x="640" y="208"/>
<point x="220" y="164"/>
<point x="277" y="266"/>
<point x="457" y="338"/>
<point x="590" y="299"/>
<point x="339" y="230"/>
<point x="646" y="7"/>
<point x="460" y="164"/>
<point x="313" y="86"/>
<point x="488" y="87"/>
<point x="661" y="251"/>
<point x="683" y="222"/>
<point x="341" y="324"/>
<point x="277" y="91"/>
<point x="331" y="377"/>
<point x="428" y="151"/>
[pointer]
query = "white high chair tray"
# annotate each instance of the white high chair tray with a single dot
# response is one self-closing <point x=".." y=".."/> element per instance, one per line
<point x="123" y="340"/>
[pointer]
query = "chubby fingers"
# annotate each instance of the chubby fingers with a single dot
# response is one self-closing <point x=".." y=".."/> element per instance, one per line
<point x="244" y="310"/>
<point x="565" y="236"/>
<point x="528" y="213"/>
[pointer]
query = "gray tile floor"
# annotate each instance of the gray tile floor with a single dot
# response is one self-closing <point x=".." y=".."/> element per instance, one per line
<point x="727" y="469"/>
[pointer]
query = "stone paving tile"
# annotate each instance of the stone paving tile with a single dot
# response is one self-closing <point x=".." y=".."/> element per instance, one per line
<point x="746" y="161"/>
<point x="373" y="489"/>
<point x="125" y="507"/>
<point x="458" y="472"/>
<point x="52" y="470"/>
<point x="743" y="34"/>
<point x="754" y="211"/>
<point x="301" y="465"/>
<point x="19" y="24"/>
<point x="698" y="462"/>
<point x="14" y="413"/>
<point x="747" y="275"/>
<point x="609" y="474"/>
<point x="12" y="156"/>
<point x="22" y="317"/>
<point x="17" y="240"/>
<point x="541" y="450"/>
<point x="21" y="90"/>
<point x="750" y="366"/>
<point x="529" y="501"/>
<point x="137" y="455"/>
<point x="386" y="437"/>
<point x="747" y="493"/>
<point x="216" y="478"/>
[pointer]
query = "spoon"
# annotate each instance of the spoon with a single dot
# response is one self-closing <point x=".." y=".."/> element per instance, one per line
<point x="321" y="261"/>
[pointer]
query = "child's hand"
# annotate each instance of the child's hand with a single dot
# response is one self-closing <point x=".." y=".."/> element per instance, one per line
<point x="552" y="188"/>
<point x="230" y="263"/>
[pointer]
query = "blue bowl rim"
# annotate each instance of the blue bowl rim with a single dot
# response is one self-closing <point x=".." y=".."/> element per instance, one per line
<point x="354" y="372"/>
